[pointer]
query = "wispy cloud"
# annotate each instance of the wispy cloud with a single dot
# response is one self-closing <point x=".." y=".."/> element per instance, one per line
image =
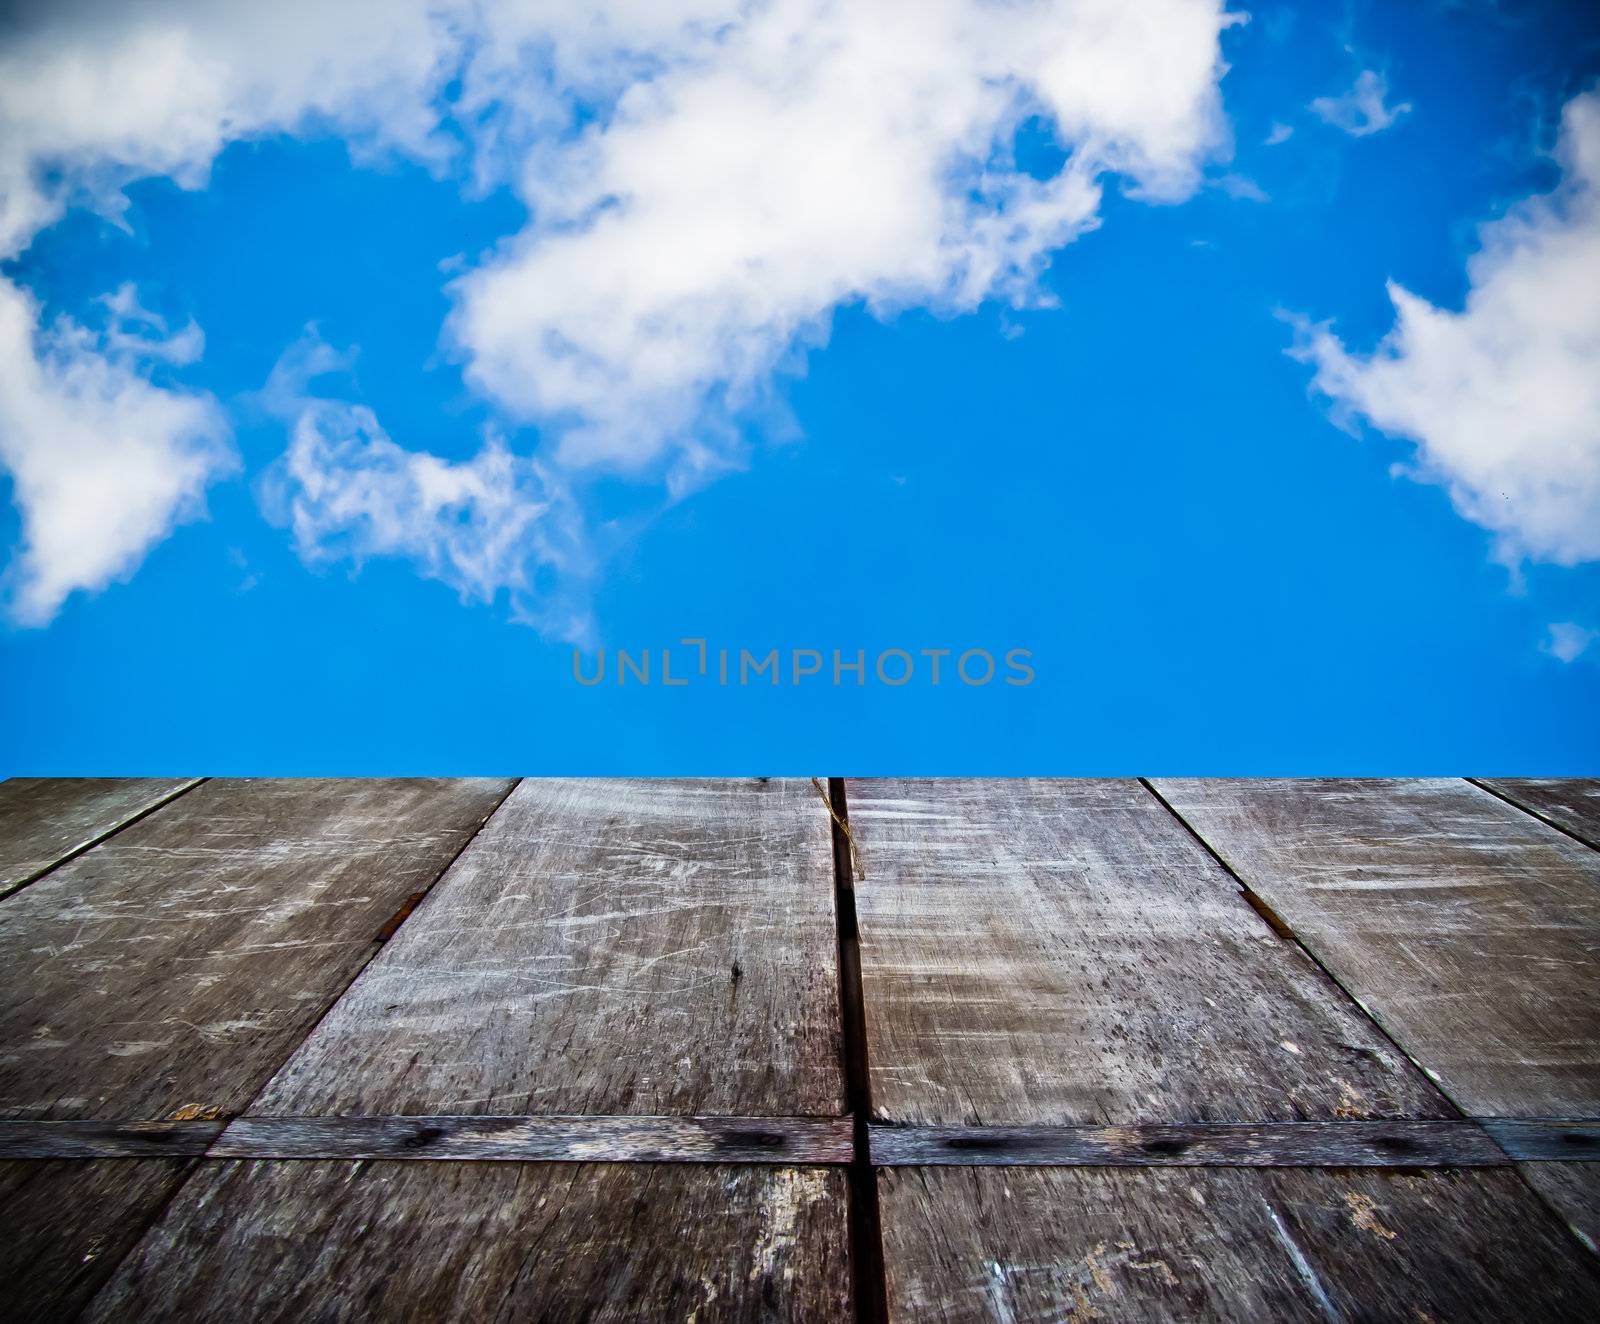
<point x="488" y="526"/>
<point x="1503" y="397"/>
<point x="1363" y="109"/>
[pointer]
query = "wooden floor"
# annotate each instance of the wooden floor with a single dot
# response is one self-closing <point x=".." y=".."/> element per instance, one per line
<point x="684" y="1050"/>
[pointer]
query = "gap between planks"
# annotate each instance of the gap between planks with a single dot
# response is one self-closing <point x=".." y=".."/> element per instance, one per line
<point x="104" y="834"/>
<point x="869" y="1276"/>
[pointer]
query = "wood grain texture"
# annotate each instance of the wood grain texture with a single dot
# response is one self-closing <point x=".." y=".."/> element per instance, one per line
<point x="1467" y="928"/>
<point x="1391" y="1144"/>
<point x="604" y="947"/>
<point x="1571" y="803"/>
<point x="1151" y="1244"/>
<point x="1065" y="953"/>
<point x="44" y="820"/>
<point x="175" y="965"/>
<point x="20" y="1140"/>
<point x="492" y="1241"/>
<point x="66" y="1224"/>
<point x="791" y="1140"/>
<point x="1572" y="1190"/>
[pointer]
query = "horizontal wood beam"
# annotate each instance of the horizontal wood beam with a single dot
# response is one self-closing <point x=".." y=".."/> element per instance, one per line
<point x="1558" y="1140"/>
<point x="806" y="1141"/>
<point x="1396" y="1144"/>
<point x="785" y="1140"/>
<point x="98" y="1139"/>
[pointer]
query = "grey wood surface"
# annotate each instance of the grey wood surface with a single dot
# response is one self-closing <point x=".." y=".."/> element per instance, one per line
<point x="1390" y="1144"/>
<point x="1572" y="803"/>
<point x="174" y="966"/>
<point x="43" y="820"/>
<point x="492" y="1241"/>
<point x="65" y="1224"/>
<point x="548" y="1139"/>
<point x="95" y="1139"/>
<point x="604" y="947"/>
<point x="1467" y="928"/>
<point x="1064" y="952"/>
<point x="1202" y="1244"/>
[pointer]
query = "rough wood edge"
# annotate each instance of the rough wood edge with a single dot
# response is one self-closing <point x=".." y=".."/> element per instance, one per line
<point x="778" y="1140"/>
<point x="1555" y="1139"/>
<point x="1393" y="1144"/>
<point x="99" y="1139"/>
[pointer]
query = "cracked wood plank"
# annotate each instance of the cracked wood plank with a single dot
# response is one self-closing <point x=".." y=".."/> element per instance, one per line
<point x="172" y="968"/>
<point x="1467" y="928"/>
<point x="65" y="1224"/>
<point x="44" y="820"/>
<point x="603" y="947"/>
<point x="1571" y="803"/>
<point x="1065" y="953"/>
<point x="1226" y="1244"/>
<point x="492" y="1241"/>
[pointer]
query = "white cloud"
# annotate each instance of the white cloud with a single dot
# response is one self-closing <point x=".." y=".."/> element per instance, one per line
<point x="1279" y="133"/>
<point x="708" y="179"/>
<point x="1569" y="641"/>
<point x="103" y="463"/>
<point x="1503" y="397"/>
<point x="813" y="155"/>
<point x="1361" y="110"/>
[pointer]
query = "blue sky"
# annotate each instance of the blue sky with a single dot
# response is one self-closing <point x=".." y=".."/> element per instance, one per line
<point x="1109" y="457"/>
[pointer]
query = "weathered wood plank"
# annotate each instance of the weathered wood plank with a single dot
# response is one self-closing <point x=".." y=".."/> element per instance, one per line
<point x="1391" y="1144"/>
<point x="492" y="1241"/>
<point x="1065" y="953"/>
<point x="174" y="966"/>
<point x="66" y="1224"/>
<point x="789" y="1140"/>
<point x="1151" y="1244"/>
<point x="1546" y="1138"/>
<point x="44" y="820"/>
<point x="1572" y="1190"/>
<point x="1571" y="803"/>
<point x="47" y="1140"/>
<point x="1467" y="928"/>
<point x="604" y="947"/>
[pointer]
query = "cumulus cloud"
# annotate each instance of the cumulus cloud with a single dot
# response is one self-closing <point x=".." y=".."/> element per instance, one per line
<point x="1503" y="397"/>
<point x="102" y="462"/>
<point x="708" y="180"/>
<point x="1361" y="110"/>
<point x="807" y="156"/>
